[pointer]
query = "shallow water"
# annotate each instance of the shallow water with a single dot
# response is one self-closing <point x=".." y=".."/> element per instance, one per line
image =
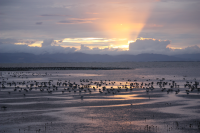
<point x="113" y="110"/>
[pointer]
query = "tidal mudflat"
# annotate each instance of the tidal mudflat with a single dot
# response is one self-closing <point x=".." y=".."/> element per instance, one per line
<point x="121" y="101"/>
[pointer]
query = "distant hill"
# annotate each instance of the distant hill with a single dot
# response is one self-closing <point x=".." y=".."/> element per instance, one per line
<point x="189" y="57"/>
<point x="81" y="57"/>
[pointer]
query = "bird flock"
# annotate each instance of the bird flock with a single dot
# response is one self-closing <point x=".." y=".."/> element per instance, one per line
<point x="88" y="85"/>
<point x="25" y="82"/>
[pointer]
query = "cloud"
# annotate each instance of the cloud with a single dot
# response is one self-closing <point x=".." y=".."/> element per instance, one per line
<point x="83" y="48"/>
<point x="188" y="50"/>
<point x="192" y="49"/>
<point x="138" y="47"/>
<point x="11" y="48"/>
<point x="17" y="41"/>
<point x="38" y="23"/>
<point x="5" y="2"/>
<point x="96" y="50"/>
<point x="77" y="20"/>
<point x="149" y="46"/>
<point x="73" y="21"/>
<point x="169" y="19"/>
<point x="52" y="15"/>
<point x="8" y="41"/>
<point x="47" y="42"/>
<point x="159" y="47"/>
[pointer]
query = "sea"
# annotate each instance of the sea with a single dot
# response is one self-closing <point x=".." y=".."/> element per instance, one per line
<point x="92" y="111"/>
<point x="135" y="70"/>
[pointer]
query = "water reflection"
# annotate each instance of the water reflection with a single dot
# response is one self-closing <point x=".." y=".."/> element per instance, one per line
<point x="72" y="99"/>
<point x="79" y="74"/>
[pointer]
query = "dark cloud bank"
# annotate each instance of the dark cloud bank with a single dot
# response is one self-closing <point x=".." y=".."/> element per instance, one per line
<point x="141" y="50"/>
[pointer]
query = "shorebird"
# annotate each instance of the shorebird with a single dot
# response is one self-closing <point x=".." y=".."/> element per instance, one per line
<point x="4" y="107"/>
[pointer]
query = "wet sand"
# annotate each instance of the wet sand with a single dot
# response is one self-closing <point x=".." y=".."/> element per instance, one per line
<point x="75" y="101"/>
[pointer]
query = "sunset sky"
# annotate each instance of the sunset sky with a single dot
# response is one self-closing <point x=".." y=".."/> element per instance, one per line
<point x="100" y="27"/>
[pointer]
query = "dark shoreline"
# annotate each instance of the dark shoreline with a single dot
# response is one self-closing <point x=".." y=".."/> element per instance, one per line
<point x="58" y="68"/>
